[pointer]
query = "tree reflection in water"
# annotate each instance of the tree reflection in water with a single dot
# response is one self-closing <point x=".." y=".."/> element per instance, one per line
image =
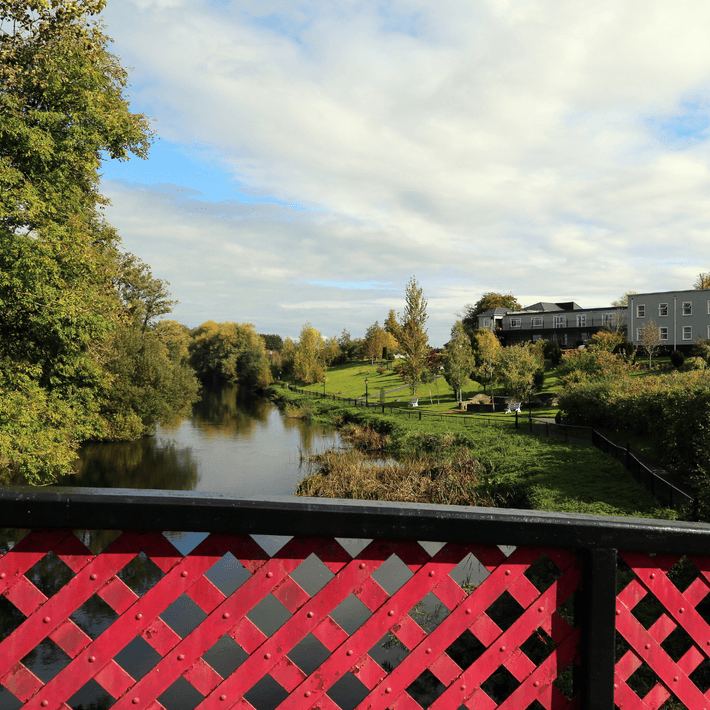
<point x="146" y="463"/>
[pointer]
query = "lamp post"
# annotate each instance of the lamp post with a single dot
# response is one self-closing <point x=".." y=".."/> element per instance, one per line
<point x="366" y="381"/>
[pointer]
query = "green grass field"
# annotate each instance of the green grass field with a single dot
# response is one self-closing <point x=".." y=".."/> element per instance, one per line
<point x="348" y="381"/>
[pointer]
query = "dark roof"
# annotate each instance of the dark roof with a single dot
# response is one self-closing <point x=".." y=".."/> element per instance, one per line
<point x="547" y="306"/>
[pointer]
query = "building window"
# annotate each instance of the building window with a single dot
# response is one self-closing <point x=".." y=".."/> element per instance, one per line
<point x="564" y="338"/>
<point x="560" y="321"/>
<point x="536" y="337"/>
<point x="608" y="319"/>
<point x="662" y="309"/>
<point x="516" y="322"/>
<point x="537" y="321"/>
<point x="663" y="333"/>
<point x="639" y="333"/>
<point x="641" y="311"/>
<point x="486" y="322"/>
<point x="709" y="308"/>
<point x="687" y="308"/>
<point x="581" y="320"/>
<point x="687" y="332"/>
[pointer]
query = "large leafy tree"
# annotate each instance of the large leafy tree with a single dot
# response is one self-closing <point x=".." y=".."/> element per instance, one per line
<point x="412" y="335"/>
<point x="147" y="358"/>
<point x="488" y="300"/>
<point x="230" y="352"/>
<point x="516" y="366"/>
<point x="62" y="110"/>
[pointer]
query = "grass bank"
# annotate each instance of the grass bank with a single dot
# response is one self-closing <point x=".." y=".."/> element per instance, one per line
<point x="466" y="460"/>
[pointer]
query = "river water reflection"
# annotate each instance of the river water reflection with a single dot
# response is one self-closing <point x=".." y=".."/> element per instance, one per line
<point x="233" y="443"/>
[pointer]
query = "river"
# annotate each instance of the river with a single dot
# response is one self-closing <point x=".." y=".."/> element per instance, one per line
<point x="233" y="443"/>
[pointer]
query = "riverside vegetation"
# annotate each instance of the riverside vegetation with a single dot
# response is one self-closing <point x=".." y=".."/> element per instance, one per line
<point x="464" y="461"/>
<point x="665" y="412"/>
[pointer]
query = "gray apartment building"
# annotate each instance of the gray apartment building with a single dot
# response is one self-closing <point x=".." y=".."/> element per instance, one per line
<point x="566" y="323"/>
<point x="683" y="317"/>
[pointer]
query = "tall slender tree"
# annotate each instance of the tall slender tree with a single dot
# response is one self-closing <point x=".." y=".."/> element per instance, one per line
<point x="412" y="335"/>
<point x="459" y="360"/>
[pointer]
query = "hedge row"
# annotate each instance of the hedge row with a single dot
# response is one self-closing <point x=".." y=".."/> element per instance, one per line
<point x="673" y="410"/>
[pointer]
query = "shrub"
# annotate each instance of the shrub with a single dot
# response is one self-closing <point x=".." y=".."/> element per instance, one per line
<point x="677" y="359"/>
<point x="553" y="352"/>
<point x="626" y="350"/>
<point x="695" y="363"/>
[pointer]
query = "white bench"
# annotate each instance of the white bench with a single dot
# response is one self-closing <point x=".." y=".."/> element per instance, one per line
<point x="414" y="402"/>
<point x="513" y="407"/>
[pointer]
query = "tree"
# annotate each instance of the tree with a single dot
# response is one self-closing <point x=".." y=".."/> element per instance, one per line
<point x="623" y="301"/>
<point x="703" y="281"/>
<point x="412" y="337"/>
<point x="650" y="339"/>
<point x="348" y="346"/>
<point x="376" y="341"/>
<point x="488" y="300"/>
<point x="272" y="341"/>
<point x="605" y="340"/>
<point x="61" y="109"/>
<point x="433" y="372"/>
<point x="486" y="349"/>
<point x="458" y="360"/>
<point x="391" y="325"/>
<point x="230" y="352"/>
<point x="517" y="365"/>
<point x="308" y="364"/>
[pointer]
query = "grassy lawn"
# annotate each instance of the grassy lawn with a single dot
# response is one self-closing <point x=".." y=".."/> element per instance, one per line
<point x="349" y="381"/>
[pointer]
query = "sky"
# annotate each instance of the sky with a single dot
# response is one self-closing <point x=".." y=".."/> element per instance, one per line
<point x="312" y="156"/>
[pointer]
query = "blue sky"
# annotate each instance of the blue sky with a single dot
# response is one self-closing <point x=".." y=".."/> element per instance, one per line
<point x="312" y="157"/>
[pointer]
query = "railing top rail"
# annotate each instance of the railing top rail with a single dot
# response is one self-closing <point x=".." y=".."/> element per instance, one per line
<point x="120" y="508"/>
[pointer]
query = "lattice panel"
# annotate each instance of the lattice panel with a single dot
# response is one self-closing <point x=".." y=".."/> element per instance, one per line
<point x="667" y="633"/>
<point x="504" y="643"/>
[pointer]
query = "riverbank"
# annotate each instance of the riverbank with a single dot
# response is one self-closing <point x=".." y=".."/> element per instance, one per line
<point x="512" y="468"/>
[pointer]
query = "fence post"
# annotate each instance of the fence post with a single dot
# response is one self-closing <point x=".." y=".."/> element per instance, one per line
<point x="597" y="618"/>
<point x="420" y="415"/>
<point x="516" y="418"/>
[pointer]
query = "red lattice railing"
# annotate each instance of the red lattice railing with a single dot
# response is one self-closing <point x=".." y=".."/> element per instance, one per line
<point x="509" y="609"/>
<point x="505" y="640"/>
<point x="668" y="639"/>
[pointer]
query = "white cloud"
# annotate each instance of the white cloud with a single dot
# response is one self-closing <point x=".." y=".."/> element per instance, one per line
<point x="504" y="145"/>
